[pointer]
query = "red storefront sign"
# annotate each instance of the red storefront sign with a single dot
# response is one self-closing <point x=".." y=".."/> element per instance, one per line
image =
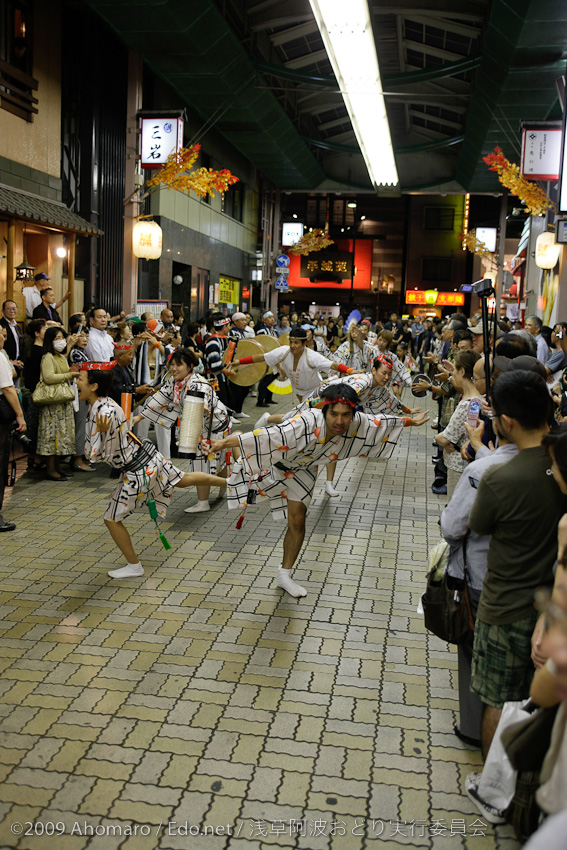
<point x="435" y="299"/>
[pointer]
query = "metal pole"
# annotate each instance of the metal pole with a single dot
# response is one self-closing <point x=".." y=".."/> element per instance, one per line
<point x="501" y="251"/>
<point x="353" y="265"/>
<point x="71" y="272"/>
<point x="10" y="260"/>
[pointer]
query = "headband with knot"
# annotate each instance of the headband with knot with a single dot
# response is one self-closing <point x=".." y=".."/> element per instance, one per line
<point x="220" y="323"/>
<point x="97" y="366"/>
<point x="385" y="360"/>
<point x="325" y="402"/>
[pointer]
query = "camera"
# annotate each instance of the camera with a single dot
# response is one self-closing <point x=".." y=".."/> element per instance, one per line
<point x="24" y="441"/>
<point x="483" y="287"/>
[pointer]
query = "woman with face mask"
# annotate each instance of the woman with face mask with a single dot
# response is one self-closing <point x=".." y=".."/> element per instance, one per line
<point x="56" y="432"/>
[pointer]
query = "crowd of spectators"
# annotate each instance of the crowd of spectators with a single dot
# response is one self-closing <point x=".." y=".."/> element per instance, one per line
<point x="505" y="521"/>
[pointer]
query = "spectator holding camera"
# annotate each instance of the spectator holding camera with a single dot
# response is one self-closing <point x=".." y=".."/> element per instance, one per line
<point x="11" y="416"/>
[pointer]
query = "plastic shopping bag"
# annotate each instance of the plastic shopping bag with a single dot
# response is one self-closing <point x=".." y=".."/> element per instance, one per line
<point x="498" y="780"/>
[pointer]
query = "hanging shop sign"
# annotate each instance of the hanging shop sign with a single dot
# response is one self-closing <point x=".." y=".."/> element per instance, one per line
<point x="292" y="231"/>
<point x="487" y="235"/>
<point x="435" y="299"/>
<point x="335" y="263"/>
<point x="229" y="290"/>
<point x="160" y="138"/>
<point x="541" y="153"/>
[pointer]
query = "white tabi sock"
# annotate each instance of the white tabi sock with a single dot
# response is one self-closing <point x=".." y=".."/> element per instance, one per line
<point x="286" y="582"/>
<point x="330" y="490"/>
<point x="129" y="571"/>
<point x="199" y="507"/>
<point x="262" y="421"/>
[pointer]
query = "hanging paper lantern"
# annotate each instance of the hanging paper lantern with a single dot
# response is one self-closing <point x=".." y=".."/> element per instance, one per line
<point x="546" y="251"/>
<point x="147" y="240"/>
<point x="431" y="296"/>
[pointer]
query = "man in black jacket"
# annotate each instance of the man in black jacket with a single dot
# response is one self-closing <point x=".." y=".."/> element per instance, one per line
<point x="46" y="310"/>
<point x="14" y="346"/>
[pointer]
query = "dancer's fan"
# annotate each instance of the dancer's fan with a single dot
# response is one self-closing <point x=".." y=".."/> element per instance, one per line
<point x="281" y="386"/>
<point x="353" y="317"/>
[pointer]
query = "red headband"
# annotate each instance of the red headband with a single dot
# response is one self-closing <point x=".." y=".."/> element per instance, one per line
<point x="123" y="346"/>
<point x="97" y="366"/>
<point x="340" y="400"/>
<point x="385" y="360"/>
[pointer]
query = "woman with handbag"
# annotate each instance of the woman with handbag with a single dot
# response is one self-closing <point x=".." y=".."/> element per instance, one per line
<point x="54" y="394"/>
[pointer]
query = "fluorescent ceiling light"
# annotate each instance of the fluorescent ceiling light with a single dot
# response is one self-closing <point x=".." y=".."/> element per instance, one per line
<point x="346" y="31"/>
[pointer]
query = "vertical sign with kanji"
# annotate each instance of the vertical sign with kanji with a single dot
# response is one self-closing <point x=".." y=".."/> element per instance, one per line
<point x="160" y="138"/>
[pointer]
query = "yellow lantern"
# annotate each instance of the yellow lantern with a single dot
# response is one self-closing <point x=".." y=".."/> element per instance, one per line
<point x="547" y="251"/>
<point x="147" y="240"/>
<point x="431" y="297"/>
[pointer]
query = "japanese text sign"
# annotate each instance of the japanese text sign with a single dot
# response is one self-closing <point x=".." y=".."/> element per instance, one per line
<point x="160" y="138"/>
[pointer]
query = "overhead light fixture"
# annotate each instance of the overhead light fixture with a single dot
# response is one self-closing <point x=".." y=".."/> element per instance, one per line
<point x="347" y="34"/>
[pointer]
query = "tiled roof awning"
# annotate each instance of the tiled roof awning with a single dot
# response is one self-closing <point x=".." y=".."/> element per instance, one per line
<point x="50" y="213"/>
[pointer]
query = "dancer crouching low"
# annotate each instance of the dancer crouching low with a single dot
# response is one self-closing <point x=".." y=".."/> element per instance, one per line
<point x="280" y="462"/>
<point x="147" y="477"/>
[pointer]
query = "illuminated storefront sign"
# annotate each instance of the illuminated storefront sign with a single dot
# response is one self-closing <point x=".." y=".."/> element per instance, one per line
<point x="541" y="153"/>
<point x="292" y="231"/>
<point x="160" y="138"/>
<point x="229" y="290"/>
<point x="435" y="299"/>
<point x="337" y="263"/>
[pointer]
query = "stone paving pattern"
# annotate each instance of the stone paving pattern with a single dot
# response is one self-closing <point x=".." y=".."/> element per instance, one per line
<point x="202" y="695"/>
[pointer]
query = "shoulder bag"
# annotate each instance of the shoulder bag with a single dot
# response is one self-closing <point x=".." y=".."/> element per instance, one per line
<point x="53" y="393"/>
<point x="446" y="603"/>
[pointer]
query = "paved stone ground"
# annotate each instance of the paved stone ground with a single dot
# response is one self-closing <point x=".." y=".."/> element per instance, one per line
<point x="201" y="695"/>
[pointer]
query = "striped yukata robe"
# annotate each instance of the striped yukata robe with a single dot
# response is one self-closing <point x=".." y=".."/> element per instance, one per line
<point x="161" y="409"/>
<point x="355" y="357"/>
<point x="400" y="373"/>
<point x="280" y="463"/>
<point x="374" y="400"/>
<point x="117" y="448"/>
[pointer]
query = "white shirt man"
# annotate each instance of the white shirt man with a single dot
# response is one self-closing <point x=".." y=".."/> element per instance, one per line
<point x="100" y="345"/>
<point x="533" y="327"/>
<point x="32" y="294"/>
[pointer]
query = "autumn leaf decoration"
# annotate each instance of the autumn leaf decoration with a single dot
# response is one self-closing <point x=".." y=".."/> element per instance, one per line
<point x="176" y="174"/>
<point x="314" y="240"/>
<point x="530" y="193"/>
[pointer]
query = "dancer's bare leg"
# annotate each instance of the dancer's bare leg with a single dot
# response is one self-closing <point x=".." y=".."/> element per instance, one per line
<point x="203" y="489"/>
<point x="121" y="537"/>
<point x="293" y="540"/>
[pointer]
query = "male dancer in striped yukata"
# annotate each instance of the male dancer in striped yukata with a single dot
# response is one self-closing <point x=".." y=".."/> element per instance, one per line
<point x="280" y="462"/>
